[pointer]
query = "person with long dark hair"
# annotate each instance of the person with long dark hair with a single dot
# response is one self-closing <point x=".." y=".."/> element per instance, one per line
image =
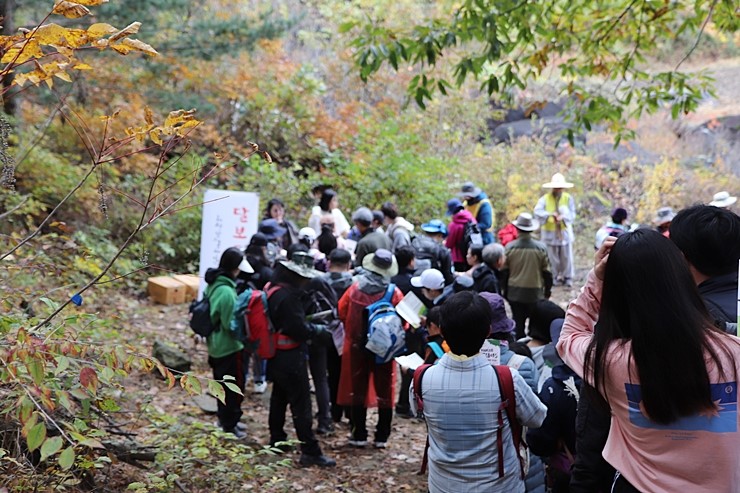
<point x="329" y="206"/>
<point x="668" y="374"/>
<point x="275" y="209"/>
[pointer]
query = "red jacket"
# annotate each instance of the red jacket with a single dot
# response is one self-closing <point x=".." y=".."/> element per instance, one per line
<point x="455" y="234"/>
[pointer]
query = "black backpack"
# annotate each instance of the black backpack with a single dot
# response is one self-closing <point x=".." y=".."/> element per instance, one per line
<point x="200" y="317"/>
<point x="426" y="254"/>
<point x="471" y="234"/>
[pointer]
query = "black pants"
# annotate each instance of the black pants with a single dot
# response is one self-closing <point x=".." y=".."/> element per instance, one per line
<point x="414" y="344"/>
<point x="229" y="412"/>
<point x="520" y="312"/>
<point x="317" y="362"/>
<point x="333" y="368"/>
<point x="289" y="376"/>
<point x="359" y="428"/>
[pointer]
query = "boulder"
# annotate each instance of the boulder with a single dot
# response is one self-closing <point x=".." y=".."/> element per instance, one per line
<point x="171" y="356"/>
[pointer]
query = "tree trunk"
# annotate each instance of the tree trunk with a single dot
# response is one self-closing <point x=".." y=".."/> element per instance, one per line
<point x="7" y="8"/>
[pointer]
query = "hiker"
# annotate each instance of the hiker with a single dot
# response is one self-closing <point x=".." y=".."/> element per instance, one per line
<point x="287" y="369"/>
<point x="526" y="276"/>
<point x="477" y="203"/>
<point x="274" y="233"/>
<point x="662" y="221"/>
<point x="275" y="209"/>
<point x="340" y="279"/>
<point x="539" y="340"/>
<point x="709" y="238"/>
<point x="461" y="395"/>
<point x="225" y="350"/>
<point x="556" y="211"/>
<point x="669" y="374"/>
<point x="455" y="232"/>
<point x="518" y="357"/>
<point x="398" y="229"/>
<point x="370" y="240"/>
<point x="484" y="279"/>
<point x="616" y="227"/>
<point x="723" y="200"/>
<point x="359" y="367"/>
<point x="329" y="206"/>
<point x="555" y="440"/>
<point x="431" y="252"/>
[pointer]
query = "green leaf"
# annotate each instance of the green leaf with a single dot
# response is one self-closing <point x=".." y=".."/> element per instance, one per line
<point x="217" y="390"/>
<point x="234" y="388"/>
<point x="67" y="458"/>
<point x="346" y="27"/>
<point x="36" y="436"/>
<point x="51" y="446"/>
<point x="62" y="364"/>
<point x="36" y="370"/>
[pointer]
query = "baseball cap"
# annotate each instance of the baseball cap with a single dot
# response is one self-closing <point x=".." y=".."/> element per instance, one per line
<point x="430" y="279"/>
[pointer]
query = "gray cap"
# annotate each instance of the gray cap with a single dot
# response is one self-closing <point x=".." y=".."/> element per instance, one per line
<point x="363" y="214"/>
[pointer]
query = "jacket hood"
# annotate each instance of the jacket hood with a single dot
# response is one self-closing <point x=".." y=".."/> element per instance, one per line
<point x="482" y="271"/>
<point x="563" y="373"/>
<point x="462" y="217"/>
<point x="217" y="277"/>
<point x="371" y="283"/>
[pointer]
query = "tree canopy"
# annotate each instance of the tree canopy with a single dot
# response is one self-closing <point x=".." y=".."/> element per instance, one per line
<point x="598" y="48"/>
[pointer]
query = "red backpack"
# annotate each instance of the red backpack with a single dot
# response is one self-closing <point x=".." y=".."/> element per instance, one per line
<point x="260" y="333"/>
<point x="508" y="405"/>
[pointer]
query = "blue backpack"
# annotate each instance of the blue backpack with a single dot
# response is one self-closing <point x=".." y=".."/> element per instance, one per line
<point x="386" y="338"/>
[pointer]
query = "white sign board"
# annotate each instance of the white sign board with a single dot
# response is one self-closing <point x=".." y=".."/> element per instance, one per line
<point x="492" y="352"/>
<point x="229" y="220"/>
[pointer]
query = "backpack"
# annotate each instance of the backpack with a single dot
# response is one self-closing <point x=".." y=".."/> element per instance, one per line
<point x="471" y="234"/>
<point x="200" y="317"/>
<point x="426" y="254"/>
<point x="260" y="334"/>
<point x="386" y="338"/>
<point x="508" y="405"/>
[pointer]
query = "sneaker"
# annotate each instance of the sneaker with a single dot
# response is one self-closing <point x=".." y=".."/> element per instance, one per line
<point x="239" y="426"/>
<point x="381" y="444"/>
<point x="237" y="433"/>
<point x="405" y="414"/>
<point x="358" y="443"/>
<point x="316" y="460"/>
<point x="260" y="387"/>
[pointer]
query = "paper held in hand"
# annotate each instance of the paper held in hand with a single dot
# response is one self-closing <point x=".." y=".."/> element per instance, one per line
<point x="412" y="361"/>
<point x="411" y="309"/>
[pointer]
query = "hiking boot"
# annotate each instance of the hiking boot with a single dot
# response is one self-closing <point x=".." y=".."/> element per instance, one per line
<point x="325" y="429"/>
<point x="260" y="387"/>
<point x="381" y="444"/>
<point x="316" y="460"/>
<point x="358" y="443"/>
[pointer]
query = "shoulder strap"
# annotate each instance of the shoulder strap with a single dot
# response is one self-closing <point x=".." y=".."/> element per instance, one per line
<point x="390" y="290"/>
<point x="418" y="375"/>
<point x="508" y="403"/>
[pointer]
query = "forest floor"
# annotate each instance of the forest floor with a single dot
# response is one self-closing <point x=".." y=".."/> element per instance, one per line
<point x="358" y="470"/>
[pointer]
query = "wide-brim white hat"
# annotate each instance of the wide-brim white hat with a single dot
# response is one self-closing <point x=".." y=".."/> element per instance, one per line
<point x="526" y="222"/>
<point x="557" y="181"/>
<point x="723" y="199"/>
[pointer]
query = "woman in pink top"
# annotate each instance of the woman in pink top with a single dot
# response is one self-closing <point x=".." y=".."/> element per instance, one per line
<point x="669" y="375"/>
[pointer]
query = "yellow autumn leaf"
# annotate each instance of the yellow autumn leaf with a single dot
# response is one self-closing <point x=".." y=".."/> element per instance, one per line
<point x="89" y="3"/>
<point x="148" y="115"/>
<point x="23" y="52"/>
<point x="136" y="45"/>
<point x="132" y="28"/>
<point x="56" y="35"/>
<point x="82" y="66"/>
<point x="156" y="137"/>
<point x="70" y="10"/>
<point x="179" y="117"/>
<point x="100" y="29"/>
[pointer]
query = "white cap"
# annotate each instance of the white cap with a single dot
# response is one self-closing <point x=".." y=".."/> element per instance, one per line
<point x="430" y="279"/>
<point x="245" y="266"/>
<point x="307" y="233"/>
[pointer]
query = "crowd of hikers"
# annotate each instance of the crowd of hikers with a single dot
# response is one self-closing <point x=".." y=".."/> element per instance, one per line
<point x="633" y="388"/>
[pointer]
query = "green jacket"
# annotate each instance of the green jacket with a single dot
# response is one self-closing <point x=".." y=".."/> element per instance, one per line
<point x="222" y="295"/>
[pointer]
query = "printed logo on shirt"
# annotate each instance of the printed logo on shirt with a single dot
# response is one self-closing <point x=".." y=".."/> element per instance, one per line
<point x="721" y="419"/>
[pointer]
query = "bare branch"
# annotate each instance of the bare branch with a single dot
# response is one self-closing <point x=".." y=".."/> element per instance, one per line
<point x="698" y="38"/>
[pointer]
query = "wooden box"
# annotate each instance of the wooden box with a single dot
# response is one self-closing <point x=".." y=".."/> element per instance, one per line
<point x="191" y="282"/>
<point x="166" y="290"/>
